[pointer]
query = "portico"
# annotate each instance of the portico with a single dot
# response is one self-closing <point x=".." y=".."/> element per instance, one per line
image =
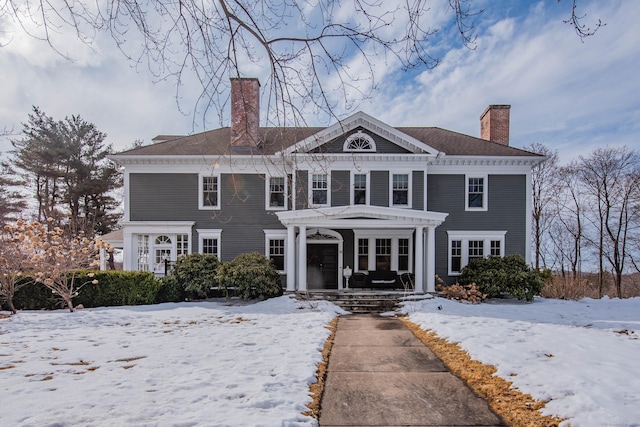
<point x="415" y="248"/>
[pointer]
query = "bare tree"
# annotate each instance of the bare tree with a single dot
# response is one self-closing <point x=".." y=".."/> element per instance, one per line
<point x="544" y="185"/>
<point x="318" y="53"/>
<point x="611" y="177"/>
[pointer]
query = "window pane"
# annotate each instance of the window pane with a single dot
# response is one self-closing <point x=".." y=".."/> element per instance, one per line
<point x="456" y="256"/>
<point x="360" y="189"/>
<point x="276" y="253"/>
<point x="209" y="246"/>
<point x="383" y="254"/>
<point x="143" y="252"/>
<point x="476" y="249"/>
<point x="401" y="189"/>
<point x="476" y="191"/>
<point x="495" y="248"/>
<point x="182" y="244"/>
<point x="403" y="254"/>
<point x="319" y="189"/>
<point x="363" y="254"/>
<point x="210" y="190"/>
<point x="276" y="192"/>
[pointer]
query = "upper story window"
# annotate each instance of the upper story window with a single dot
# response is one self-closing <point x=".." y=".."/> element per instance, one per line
<point x="319" y="189"/>
<point x="400" y="190"/>
<point x="476" y="193"/>
<point x="276" y="193"/>
<point x="359" y="141"/>
<point x="360" y="189"/>
<point x="209" y="194"/>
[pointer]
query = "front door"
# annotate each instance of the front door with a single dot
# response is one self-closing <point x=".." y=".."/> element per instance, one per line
<point x="322" y="266"/>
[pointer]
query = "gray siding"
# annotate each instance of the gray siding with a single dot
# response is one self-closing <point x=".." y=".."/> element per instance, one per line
<point x="507" y="211"/>
<point x="174" y="197"/>
<point x="340" y="188"/>
<point x="382" y="145"/>
<point x="379" y="188"/>
<point x="417" y="194"/>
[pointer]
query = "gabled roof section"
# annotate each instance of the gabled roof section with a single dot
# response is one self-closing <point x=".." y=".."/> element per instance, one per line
<point x="365" y="121"/>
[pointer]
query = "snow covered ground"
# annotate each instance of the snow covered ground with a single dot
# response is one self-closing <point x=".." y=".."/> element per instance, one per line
<point x="188" y="364"/>
<point x="584" y="356"/>
<point x="214" y="364"/>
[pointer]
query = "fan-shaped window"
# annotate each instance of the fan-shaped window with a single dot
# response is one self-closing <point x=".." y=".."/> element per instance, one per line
<point x="163" y="240"/>
<point x="359" y="141"/>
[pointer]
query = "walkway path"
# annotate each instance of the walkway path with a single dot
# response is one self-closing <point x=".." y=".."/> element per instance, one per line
<point x="380" y="374"/>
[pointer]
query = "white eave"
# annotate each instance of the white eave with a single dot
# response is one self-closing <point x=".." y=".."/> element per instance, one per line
<point x="361" y="216"/>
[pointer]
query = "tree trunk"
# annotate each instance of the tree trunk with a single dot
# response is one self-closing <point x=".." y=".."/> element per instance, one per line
<point x="69" y="303"/>
<point x="12" y="309"/>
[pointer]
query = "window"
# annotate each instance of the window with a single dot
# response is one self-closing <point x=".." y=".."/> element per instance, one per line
<point x="403" y="254"/>
<point x="383" y="254"/>
<point x="476" y="194"/>
<point x="363" y="254"/>
<point x="464" y="246"/>
<point x="209" y="192"/>
<point x="182" y="244"/>
<point x="143" y="252"/>
<point x="456" y="256"/>
<point x="209" y="240"/>
<point x="319" y="190"/>
<point x="277" y="197"/>
<point x="276" y="253"/>
<point x="400" y="195"/>
<point x="476" y="249"/>
<point x="360" y="189"/>
<point x="359" y="141"/>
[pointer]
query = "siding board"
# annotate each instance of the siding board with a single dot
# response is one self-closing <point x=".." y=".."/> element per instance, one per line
<point x="379" y="188"/>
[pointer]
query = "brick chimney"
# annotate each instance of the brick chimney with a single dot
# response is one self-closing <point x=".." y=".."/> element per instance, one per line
<point x="494" y="124"/>
<point x="245" y="113"/>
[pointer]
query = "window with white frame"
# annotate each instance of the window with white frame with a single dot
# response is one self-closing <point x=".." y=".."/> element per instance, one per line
<point x="319" y="189"/>
<point x="360" y="189"/>
<point x="143" y="252"/>
<point x="275" y="248"/>
<point x="209" y="194"/>
<point x="467" y="245"/>
<point x="209" y="241"/>
<point x="359" y="141"/>
<point x="154" y="251"/>
<point x="277" y="193"/>
<point x="182" y="244"/>
<point x="400" y="190"/>
<point x="476" y="193"/>
<point x="384" y="250"/>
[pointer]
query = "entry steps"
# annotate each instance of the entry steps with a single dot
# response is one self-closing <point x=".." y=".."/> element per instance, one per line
<point x="360" y="301"/>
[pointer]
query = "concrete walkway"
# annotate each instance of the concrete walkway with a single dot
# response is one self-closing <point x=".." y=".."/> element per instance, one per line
<point x="380" y="374"/>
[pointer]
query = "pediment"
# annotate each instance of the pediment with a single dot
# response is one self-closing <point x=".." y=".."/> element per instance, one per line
<point x="360" y="133"/>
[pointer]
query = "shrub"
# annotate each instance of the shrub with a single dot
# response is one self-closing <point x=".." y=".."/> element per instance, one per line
<point x="251" y="276"/>
<point x="114" y="288"/>
<point x="458" y="292"/>
<point x="509" y="276"/>
<point x="192" y="276"/>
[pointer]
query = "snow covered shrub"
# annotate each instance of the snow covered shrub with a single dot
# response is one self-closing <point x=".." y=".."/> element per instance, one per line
<point x="250" y="276"/>
<point x="194" y="274"/>
<point x="499" y="277"/>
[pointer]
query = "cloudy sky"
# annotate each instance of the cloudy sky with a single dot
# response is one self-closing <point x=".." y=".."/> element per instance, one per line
<point x="565" y="93"/>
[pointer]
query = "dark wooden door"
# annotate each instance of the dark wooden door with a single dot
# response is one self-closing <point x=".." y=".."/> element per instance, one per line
<point x="322" y="266"/>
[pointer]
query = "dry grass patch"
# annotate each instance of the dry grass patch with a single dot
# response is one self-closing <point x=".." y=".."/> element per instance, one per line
<point x="317" y="388"/>
<point x="4" y="368"/>
<point x="130" y="359"/>
<point x="516" y="408"/>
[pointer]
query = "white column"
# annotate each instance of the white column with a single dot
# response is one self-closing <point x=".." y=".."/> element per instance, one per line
<point x="302" y="259"/>
<point x="291" y="258"/>
<point x="419" y="267"/>
<point x="431" y="259"/>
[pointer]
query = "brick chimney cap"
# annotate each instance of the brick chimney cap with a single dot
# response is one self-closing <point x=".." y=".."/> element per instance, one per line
<point x="495" y="107"/>
<point x="246" y="79"/>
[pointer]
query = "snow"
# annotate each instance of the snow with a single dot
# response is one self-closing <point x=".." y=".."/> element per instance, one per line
<point x="184" y="364"/>
<point x="581" y="356"/>
<point x="215" y="363"/>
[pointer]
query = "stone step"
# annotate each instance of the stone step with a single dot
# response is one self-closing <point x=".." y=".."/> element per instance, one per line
<point x="358" y="302"/>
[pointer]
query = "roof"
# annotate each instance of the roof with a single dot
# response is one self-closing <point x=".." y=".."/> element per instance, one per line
<point x="216" y="142"/>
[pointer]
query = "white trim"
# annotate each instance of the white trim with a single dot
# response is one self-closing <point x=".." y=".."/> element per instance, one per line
<point x="359" y="135"/>
<point x="267" y="194"/>
<point x="467" y="235"/>
<point x="131" y="229"/>
<point x="210" y="233"/>
<point x="485" y="193"/>
<point x="276" y="235"/>
<point x="201" y="204"/>
<point x="337" y="240"/>
<point x="371" y="236"/>
<point x="528" y="223"/>
<point x="367" y="175"/>
<point x="409" y="189"/>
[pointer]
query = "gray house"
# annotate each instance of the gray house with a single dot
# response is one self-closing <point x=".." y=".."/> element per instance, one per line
<point x="360" y="199"/>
